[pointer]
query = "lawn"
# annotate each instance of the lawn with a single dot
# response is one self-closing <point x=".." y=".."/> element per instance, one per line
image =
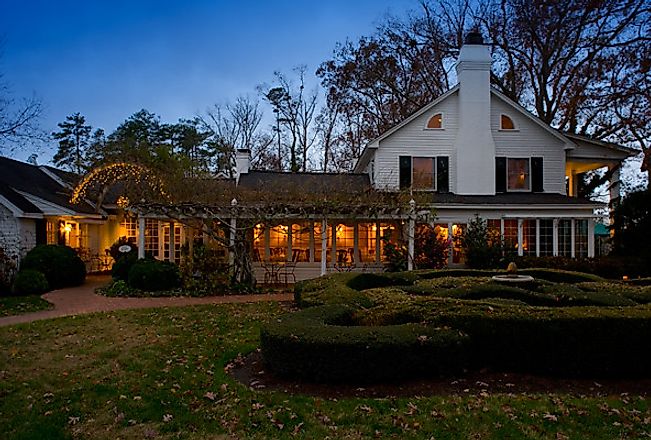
<point x="17" y="305"/>
<point x="159" y="373"/>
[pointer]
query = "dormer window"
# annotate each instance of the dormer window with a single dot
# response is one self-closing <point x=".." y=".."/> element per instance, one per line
<point x="506" y="123"/>
<point x="436" y="121"/>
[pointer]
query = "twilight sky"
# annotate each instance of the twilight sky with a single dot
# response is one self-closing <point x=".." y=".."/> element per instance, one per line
<point x="109" y="58"/>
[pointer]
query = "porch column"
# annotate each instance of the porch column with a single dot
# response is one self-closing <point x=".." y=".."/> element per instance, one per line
<point x="411" y="232"/>
<point x="231" y="242"/>
<point x="555" y="238"/>
<point x="141" y="237"/>
<point x="574" y="184"/>
<point x="324" y="246"/>
<point x="172" y="253"/>
<point x="590" y="238"/>
<point x="231" y="235"/>
<point x="520" y="250"/>
<point x="573" y="238"/>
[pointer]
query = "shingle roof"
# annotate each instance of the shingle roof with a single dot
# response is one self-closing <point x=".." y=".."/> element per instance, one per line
<point x="307" y="182"/>
<point x="18" y="200"/>
<point x="30" y="179"/>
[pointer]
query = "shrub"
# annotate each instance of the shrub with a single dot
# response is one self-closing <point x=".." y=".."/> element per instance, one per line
<point x="329" y="289"/>
<point x="395" y="256"/>
<point x="560" y="276"/>
<point x="30" y="282"/>
<point x="154" y="275"/>
<point x="632" y="222"/>
<point x="365" y="281"/>
<point x="430" y="250"/>
<point x="118" y="288"/>
<point x="206" y="270"/>
<point x="122" y="266"/>
<point x="61" y="265"/>
<point x="320" y="344"/>
<point x="483" y="248"/>
<point x="114" y="250"/>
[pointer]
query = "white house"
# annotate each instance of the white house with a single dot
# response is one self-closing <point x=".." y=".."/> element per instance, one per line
<point x="479" y="153"/>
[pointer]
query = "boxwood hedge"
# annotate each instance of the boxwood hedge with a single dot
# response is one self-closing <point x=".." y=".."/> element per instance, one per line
<point x="323" y="344"/>
<point x="399" y="319"/>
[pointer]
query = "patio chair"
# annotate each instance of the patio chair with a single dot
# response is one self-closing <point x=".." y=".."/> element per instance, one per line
<point x="287" y="272"/>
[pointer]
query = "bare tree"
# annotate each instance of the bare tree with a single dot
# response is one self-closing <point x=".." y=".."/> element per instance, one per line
<point x="19" y="118"/>
<point x="295" y="110"/>
<point x="236" y="126"/>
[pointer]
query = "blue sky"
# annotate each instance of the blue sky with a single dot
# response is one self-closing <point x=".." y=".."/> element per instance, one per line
<point x="109" y="59"/>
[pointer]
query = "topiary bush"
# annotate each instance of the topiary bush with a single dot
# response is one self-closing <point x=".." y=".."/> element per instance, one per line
<point x="61" y="265"/>
<point x="323" y="344"/>
<point x="30" y="282"/>
<point x="154" y="275"/>
<point x="122" y="266"/>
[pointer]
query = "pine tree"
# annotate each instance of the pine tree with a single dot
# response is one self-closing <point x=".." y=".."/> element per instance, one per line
<point x="74" y="139"/>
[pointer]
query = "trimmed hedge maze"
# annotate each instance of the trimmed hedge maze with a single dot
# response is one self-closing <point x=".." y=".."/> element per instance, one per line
<point x="381" y="327"/>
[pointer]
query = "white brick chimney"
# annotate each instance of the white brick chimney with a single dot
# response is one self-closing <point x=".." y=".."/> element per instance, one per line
<point x="474" y="143"/>
<point x="242" y="162"/>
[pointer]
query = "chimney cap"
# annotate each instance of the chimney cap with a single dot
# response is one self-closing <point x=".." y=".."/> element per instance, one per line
<point x="474" y="37"/>
<point x="243" y="150"/>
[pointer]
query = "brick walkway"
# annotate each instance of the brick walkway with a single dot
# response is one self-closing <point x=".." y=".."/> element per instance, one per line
<point x="82" y="299"/>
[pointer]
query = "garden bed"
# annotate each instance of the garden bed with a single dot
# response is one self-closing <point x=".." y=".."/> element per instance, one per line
<point x="433" y="323"/>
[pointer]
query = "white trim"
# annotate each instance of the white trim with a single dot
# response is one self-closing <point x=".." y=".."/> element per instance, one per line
<point x="17" y="212"/>
<point x="54" y="177"/>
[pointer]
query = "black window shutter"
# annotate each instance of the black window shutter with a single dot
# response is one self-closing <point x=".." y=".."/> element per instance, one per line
<point x="41" y="231"/>
<point x="500" y="174"/>
<point x="442" y="174"/>
<point x="405" y="172"/>
<point x="537" y="174"/>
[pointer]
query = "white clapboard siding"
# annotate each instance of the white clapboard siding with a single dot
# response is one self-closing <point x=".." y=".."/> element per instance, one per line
<point x="529" y="140"/>
<point x="415" y="140"/>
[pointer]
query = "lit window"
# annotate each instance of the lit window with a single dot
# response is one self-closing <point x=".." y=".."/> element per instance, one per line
<point x="506" y="123"/>
<point x="435" y="121"/>
<point x="424" y="171"/>
<point x="518" y="175"/>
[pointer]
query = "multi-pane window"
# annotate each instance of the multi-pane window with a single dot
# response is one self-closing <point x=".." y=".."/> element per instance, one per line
<point x="278" y="238"/>
<point x="151" y="238"/>
<point x="581" y="238"/>
<point x="345" y="236"/>
<point x="518" y="175"/>
<point x="301" y="243"/>
<point x="424" y="173"/>
<point x="529" y="237"/>
<point x="511" y="233"/>
<point x="546" y="234"/>
<point x="129" y="228"/>
<point x="424" y="169"/>
<point x="367" y="239"/>
<point x="565" y="238"/>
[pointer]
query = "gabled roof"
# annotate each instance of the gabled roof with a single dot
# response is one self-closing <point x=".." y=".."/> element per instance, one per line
<point x="21" y="177"/>
<point x="608" y="146"/>
<point x="372" y="145"/>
